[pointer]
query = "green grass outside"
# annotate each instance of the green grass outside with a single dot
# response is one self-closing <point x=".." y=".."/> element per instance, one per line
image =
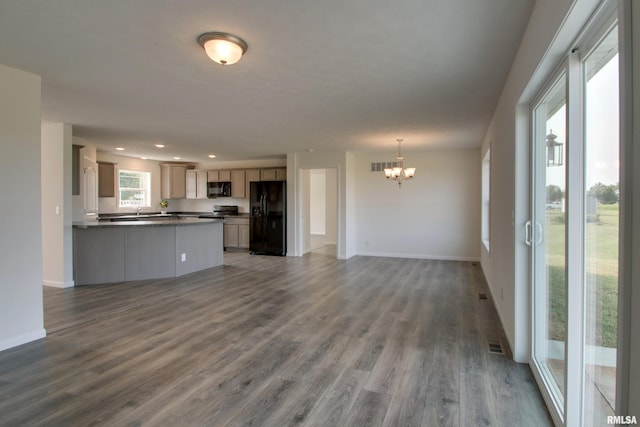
<point x="601" y="281"/>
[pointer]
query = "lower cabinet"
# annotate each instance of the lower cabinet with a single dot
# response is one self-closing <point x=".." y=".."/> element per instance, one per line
<point x="236" y="233"/>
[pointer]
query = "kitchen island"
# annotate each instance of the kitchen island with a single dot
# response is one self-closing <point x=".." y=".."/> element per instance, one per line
<point x="118" y="251"/>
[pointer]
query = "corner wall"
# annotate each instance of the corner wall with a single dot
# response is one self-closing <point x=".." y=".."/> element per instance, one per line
<point x="21" y="306"/>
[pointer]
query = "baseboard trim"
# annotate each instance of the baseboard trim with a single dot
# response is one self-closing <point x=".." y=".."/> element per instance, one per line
<point x="23" y="339"/>
<point x="55" y="284"/>
<point x="419" y="256"/>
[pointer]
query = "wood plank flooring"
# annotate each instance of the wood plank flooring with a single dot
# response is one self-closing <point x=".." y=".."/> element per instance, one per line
<point x="272" y="341"/>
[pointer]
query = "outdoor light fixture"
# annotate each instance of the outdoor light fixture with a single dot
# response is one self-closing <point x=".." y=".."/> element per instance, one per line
<point x="554" y="150"/>
<point x="223" y="48"/>
<point x="399" y="173"/>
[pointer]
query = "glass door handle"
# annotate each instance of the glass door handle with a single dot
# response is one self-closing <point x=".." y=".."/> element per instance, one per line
<point x="539" y="233"/>
<point x="527" y="233"/>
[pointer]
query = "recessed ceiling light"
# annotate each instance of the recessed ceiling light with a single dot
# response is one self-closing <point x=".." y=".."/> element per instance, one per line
<point x="119" y="148"/>
<point x="176" y="158"/>
<point x="143" y="158"/>
<point x="160" y="145"/>
<point x="212" y="156"/>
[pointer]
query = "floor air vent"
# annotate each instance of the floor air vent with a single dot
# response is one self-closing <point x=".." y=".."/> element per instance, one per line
<point x="482" y="295"/>
<point x="495" y="347"/>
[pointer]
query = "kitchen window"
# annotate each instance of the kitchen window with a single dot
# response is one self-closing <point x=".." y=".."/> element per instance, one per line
<point x="134" y="188"/>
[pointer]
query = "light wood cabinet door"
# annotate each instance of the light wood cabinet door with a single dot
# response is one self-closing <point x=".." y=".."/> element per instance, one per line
<point x="274" y="174"/>
<point x="173" y="182"/>
<point x="106" y="179"/>
<point x="238" y="185"/>
<point x="230" y="236"/>
<point x="212" y="176"/>
<point x="196" y="184"/>
<point x="267" y="174"/>
<point x="251" y="175"/>
<point x="201" y="185"/>
<point x="224" y="176"/>
<point x="243" y="236"/>
<point x="191" y="184"/>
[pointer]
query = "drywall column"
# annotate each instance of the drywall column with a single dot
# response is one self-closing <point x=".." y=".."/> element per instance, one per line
<point x="57" y="234"/>
<point x="21" y="312"/>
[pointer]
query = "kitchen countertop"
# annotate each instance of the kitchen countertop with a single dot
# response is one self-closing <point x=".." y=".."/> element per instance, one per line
<point x="138" y="223"/>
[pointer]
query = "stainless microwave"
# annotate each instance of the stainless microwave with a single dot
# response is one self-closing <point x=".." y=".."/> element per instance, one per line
<point x="218" y="189"/>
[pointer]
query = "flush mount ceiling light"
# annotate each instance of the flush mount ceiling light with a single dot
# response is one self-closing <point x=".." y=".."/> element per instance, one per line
<point x="399" y="173"/>
<point x="223" y="48"/>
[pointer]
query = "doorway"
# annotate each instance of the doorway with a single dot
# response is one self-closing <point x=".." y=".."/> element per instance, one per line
<point x="320" y="226"/>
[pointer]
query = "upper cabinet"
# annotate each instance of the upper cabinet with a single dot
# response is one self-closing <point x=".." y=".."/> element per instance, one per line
<point x="238" y="187"/>
<point x="274" y="174"/>
<point x="196" y="184"/>
<point x="241" y="179"/>
<point x="251" y="175"/>
<point x="106" y="179"/>
<point x="90" y="184"/>
<point x="219" y="176"/>
<point x="173" y="181"/>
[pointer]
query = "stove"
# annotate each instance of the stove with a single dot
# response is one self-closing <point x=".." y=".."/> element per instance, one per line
<point x="225" y="210"/>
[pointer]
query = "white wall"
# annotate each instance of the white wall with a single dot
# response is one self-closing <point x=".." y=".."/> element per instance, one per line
<point x="552" y="27"/>
<point x="57" y="263"/>
<point x="436" y="215"/>
<point x="21" y="312"/>
<point x="331" y="205"/>
<point x="318" y="195"/>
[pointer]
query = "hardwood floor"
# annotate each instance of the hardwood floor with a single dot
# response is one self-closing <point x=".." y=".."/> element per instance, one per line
<point x="273" y="341"/>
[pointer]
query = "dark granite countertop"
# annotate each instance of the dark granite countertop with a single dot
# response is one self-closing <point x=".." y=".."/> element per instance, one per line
<point x="170" y="220"/>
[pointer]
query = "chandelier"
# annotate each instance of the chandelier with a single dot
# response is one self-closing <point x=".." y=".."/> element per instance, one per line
<point x="399" y="173"/>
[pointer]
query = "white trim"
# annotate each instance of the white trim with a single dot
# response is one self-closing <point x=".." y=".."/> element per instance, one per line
<point x="56" y="284"/>
<point x="23" y="339"/>
<point x="414" y="256"/>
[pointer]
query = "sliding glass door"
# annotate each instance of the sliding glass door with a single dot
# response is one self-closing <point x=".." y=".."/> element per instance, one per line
<point x="573" y="231"/>
<point x="547" y="236"/>
<point x="601" y="224"/>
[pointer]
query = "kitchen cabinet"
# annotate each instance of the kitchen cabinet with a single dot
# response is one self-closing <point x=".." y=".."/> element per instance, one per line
<point x="238" y="187"/>
<point x="173" y="181"/>
<point x="106" y="179"/>
<point x="251" y="175"/>
<point x="196" y="184"/>
<point x="90" y="186"/>
<point x="219" y="176"/>
<point x="236" y="233"/>
<point x="274" y="174"/>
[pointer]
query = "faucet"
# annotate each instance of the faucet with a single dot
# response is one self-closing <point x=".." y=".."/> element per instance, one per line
<point x="138" y="209"/>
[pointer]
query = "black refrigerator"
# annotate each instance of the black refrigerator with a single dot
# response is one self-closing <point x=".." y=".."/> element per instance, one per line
<point x="268" y="218"/>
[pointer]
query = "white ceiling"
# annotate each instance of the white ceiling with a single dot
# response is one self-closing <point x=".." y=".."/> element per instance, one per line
<point x="322" y="75"/>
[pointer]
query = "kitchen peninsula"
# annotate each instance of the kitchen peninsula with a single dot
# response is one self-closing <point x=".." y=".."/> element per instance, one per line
<point x="117" y="251"/>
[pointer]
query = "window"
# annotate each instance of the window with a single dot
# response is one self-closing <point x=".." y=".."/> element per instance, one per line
<point x="134" y="188"/>
<point x="486" y="197"/>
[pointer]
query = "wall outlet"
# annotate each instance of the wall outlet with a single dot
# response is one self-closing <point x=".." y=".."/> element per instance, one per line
<point x="183" y="257"/>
